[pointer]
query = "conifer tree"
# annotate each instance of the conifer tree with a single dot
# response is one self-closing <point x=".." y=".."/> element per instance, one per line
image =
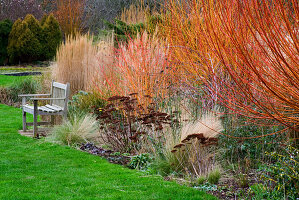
<point x="52" y="36"/>
<point x="23" y="45"/>
<point x="5" y="28"/>
<point x="12" y="51"/>
<point x="43" y="20"/>
<point x="36" y="30"/>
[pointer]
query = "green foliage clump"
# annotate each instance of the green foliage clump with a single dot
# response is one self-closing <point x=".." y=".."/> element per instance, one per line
<point x="152" y="21"/>
<point x="52" y="36"/>
<point x="140" y="162"/>
<point x="25" y="86"/>
<point x="43" y="19"/>
<point x="201" y="180"/>
<point x="84" y="102"/>
<point x="261" y="192"/>
<point x="214" y="176"/>
<point x="124" y="31"/>
<point x="29" y="41"/>
<point x="282" y="175"/>
<point x="5" y="28"/>
<point x="161" y="166"/>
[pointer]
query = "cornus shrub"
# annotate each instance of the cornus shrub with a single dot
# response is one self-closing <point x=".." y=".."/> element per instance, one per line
<point x="142" y="68"/>
<point x="70" y="15"/>
<point x="254" y="42"/>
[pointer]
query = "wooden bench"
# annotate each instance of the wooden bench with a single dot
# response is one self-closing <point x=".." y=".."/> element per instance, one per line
<point x="58" y="98"/>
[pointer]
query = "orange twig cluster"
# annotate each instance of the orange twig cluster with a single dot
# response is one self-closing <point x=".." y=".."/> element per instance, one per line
<point x="255" y="43"/>
<point x="69" y="14"/>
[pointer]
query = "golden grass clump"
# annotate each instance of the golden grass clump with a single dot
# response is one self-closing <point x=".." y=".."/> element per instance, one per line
<point x="134" y="14"/>
<point x="195" y="151"/>
<point x="209" y="126"/>
<point x="76" y="62"/>
<point x="78" y="129"/>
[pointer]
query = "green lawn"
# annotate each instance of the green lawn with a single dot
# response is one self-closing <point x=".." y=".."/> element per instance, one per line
<point x="33" y="169"/>
<point x="8" y="80"/>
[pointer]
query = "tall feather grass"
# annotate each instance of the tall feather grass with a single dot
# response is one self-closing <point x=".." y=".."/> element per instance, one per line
<point x="134" y="14"/>
<point x="194" y="157"/>
<point x="76" y="62"/>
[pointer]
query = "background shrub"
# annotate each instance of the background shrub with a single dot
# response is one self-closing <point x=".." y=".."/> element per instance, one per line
<point x="5" y="28"/>
<point x="12" y="50"/>
<point x="29" y="41"/>
<point x="27" y="46"/>
<point x="51" y="37"/>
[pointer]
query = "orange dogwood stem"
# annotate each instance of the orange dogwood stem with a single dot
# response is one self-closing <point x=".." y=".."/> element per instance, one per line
<point x="255" y="42"/>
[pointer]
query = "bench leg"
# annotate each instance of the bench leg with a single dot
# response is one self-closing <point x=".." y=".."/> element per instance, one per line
<point x="52" y="120"/>
<point x="24" y="122"/>
<point x="64" y="116"/>
<point x="35" y="113"/>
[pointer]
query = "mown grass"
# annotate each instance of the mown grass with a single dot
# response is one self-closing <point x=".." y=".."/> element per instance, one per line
<point x="34" y="169"/>
<point x="8" y="80"/>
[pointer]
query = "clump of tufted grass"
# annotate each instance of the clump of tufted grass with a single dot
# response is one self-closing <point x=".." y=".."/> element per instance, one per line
<point x="78" y="129"/>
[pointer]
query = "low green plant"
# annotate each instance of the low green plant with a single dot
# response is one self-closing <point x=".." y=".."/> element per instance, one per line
<point x="201" y="180"/>
<point x="242" y="180"/>
<point x="140" y="162"/>
<point x="122" y="31"/>
<point x="214" y="176"/>
<point x="282" y="174"/>
<point x="25" y="86"/>
<point x="78" y="129"/>
<point x="262" y="192"/>
<point x="85" y="102"/>
<point x="161" y="166"/>
<point x="116" y="154"/>
<point x="207" y="187"/>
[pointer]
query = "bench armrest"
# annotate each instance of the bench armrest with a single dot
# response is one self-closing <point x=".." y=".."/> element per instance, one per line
<point x="33" y="95"/>
<point x="35" y="99"/>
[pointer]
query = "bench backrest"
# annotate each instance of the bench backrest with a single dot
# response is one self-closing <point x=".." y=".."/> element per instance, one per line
<point x="59" y="90"/>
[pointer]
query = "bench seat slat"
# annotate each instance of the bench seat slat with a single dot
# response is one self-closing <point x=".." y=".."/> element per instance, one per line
<point x="53" y="107"/>
<point x="46" y="108"/>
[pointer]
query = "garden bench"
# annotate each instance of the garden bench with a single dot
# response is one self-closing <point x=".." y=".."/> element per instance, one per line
<point x="58" y="98"/>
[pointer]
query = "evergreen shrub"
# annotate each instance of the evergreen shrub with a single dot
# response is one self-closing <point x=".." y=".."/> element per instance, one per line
<point x="5" y="28"/>
<point x="29" y="41"/>
<point x="52" y="36"/>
